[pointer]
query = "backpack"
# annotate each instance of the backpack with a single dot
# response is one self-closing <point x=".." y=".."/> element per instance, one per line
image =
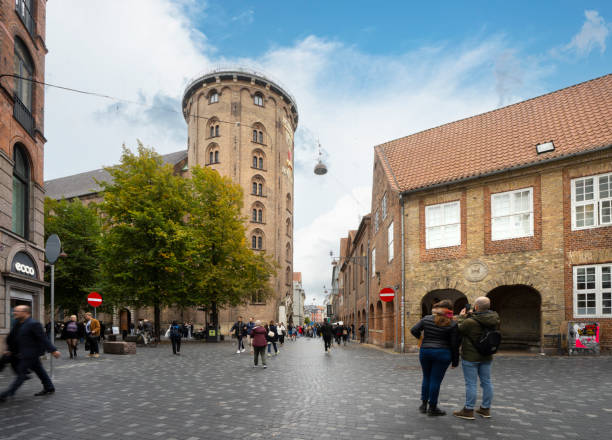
<point x="488" y="343"/>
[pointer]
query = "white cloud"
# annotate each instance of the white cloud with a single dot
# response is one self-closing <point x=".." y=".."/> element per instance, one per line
<point x="145" y="50"/>
<point x="594" y="33"/>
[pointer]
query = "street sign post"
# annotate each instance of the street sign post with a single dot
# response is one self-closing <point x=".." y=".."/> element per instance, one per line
<point x="53" y="249"/>
<point x="387" y="294"/>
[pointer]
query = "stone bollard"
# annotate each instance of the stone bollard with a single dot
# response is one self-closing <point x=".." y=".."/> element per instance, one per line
<point x="119" y="347"/>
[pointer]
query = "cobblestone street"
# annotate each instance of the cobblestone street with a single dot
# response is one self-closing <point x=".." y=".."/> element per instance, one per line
<point x="210" y="392"/>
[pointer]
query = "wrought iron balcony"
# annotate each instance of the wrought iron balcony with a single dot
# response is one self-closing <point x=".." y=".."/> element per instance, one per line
<point x="21" y="6"/>
<point x="23" y="116"/>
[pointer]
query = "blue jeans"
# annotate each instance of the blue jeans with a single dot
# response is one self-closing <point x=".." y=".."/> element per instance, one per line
<point x="471" y="372"/>
<point x="434" y="362"/>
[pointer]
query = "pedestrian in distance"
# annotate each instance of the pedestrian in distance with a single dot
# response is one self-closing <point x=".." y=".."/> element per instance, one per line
<point x="480" y="340"/>
<point x="362" y="331"/>
<point x="272" y="338"/>
<point x="439" y="349"/>
<point x="250" y="327"/>
<point x="28" y="338"/>
<point x="282" y="331"/>
<point x="71" y="333"/>
<point x="345" y="334"/>
<point x="92" y="332"/>
<point x="176" y="332"/>
<point x="353" y="331"/>
<point x="326" y="333"/>
<point x="240" y="331"/>
<point x="259" y="336"/>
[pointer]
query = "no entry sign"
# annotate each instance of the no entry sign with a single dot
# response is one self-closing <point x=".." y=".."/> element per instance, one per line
<point x="94" y="299"/>
<point x="387" y="294"/>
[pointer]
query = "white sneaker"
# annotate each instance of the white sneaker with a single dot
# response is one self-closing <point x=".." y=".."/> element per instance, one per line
<point x="238" y="352"/>
<point x="242" y="351"/>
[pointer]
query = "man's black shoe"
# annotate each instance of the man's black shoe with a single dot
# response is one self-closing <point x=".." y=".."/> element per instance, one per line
<point x="3" y="397"/>
<point x="44" y="392"/>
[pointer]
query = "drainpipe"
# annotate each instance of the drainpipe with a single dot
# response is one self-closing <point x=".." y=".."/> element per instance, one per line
<point x="403" y="272"/>
<point x="368" y="275"/>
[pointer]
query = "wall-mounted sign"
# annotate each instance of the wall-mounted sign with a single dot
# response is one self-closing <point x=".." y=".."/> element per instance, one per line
<point x="23" y="264"/>
<point x="583" y="338"/>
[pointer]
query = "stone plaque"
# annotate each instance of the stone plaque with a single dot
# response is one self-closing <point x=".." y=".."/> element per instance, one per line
<point x="476" y="271"/>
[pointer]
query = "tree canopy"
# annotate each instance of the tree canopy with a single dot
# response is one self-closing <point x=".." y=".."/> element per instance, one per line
<point x="79" y="229"/>
<point x="170" y="241"/>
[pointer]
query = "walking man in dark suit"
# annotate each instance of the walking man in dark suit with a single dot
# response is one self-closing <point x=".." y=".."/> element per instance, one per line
<point x="28" y="338"/>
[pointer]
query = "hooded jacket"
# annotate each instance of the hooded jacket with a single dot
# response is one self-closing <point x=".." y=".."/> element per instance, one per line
<point x="471" y="330"/>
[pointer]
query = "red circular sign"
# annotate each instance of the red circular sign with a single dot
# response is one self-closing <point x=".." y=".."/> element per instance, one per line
<point x="94" y="299"/>
<point x="387" y="294"/>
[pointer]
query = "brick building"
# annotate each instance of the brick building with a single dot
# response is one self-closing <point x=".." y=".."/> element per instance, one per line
<point x="22" y="265"/>
<point x="513" y="204"/>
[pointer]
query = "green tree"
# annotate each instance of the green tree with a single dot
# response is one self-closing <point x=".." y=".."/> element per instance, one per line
<point x="223" y="270"/>
<point x="144" y="242"/>
<point x="306" y="320"/>
<point x="79" y="229"/>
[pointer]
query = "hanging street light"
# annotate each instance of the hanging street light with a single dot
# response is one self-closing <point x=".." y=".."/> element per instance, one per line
<point x="320" y="168"/>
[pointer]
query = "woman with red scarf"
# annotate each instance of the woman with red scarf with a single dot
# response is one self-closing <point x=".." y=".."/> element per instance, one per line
<point x="439" y="349"/>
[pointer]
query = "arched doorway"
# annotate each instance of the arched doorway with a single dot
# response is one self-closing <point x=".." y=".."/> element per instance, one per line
<point x="458" y="299"/>
<point x="388" y="324"/>
<point x="519" y="309"/>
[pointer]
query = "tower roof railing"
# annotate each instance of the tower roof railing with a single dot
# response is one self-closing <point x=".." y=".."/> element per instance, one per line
<point x="240" y="69"/>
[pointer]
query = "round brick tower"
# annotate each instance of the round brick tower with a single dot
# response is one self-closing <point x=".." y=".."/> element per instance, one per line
<point x="242" y="124"/>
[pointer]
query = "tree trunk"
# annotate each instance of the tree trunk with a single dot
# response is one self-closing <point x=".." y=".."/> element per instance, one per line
<point x="215" y="319"/>
<point x="157" y="312"/>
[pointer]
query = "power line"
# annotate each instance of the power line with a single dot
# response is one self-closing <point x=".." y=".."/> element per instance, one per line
<point x="114" y="98"/>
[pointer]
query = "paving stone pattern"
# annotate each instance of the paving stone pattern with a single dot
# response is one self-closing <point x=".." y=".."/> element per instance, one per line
<point x="210" y="392"/>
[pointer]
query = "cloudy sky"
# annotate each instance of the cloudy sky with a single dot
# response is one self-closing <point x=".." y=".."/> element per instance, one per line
<point x="362" y="74"/>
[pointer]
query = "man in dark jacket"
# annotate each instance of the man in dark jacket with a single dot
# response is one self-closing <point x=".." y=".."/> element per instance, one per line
<point x="240" y="329"/>
<point x="474" y="364"/>
<point x="327" y="332"/>
<point x="362" y="330"/>
<point x="28" y="338"/>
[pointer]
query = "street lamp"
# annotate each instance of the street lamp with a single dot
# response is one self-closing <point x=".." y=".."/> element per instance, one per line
<point x="320" y="168"/>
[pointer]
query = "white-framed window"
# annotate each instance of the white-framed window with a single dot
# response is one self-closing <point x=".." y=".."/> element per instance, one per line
<point x="213" y="97"/>
<point x="592" y="201"/>
<point x="390" y="241"/>
<point x="442" y="225"/>
<point x="376" y="221"/>
<point x="512" y="214"/>
<point x="258" y="100"/>
<point x="593" y="291"/>
<point x="383" y="207"/>
<point x="373" y="263"/>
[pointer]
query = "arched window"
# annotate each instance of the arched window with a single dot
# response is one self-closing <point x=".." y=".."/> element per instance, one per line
<point x="288" y="202"/>
<point x="257" y="185"/>
<point x="288" y="276"/>
<point x="258" y="133"/>
<point x="213" y="154"/>
<point x="213" y="127"/>
<point x="288" y="252"/>
<point x="21" y="185"/>
<point x="260" y="215"/>
<point x="254" y="217"/>
<point x="288" y="227"/>
<point x="257" y="239"/>
<point x="216" y="130"/>
<point x="24" y="67"/>
<point x="258" y="159"/>
<point x="213" y="97"/>
<point x="212" y="131"/>
<point x="257" y="212"/>
<point x="258" y="99"/>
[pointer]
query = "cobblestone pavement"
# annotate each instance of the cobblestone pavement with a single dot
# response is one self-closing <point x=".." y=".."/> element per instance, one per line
<point x="210" y="392"/>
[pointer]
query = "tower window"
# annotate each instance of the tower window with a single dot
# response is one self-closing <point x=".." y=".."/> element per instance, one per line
<point x="254" y="215"/>
<point x="216" y="157"/>
<point x="261" y="163"/>
<point x="260" y="137"/>
<point x="258" y="100"/>
<point x="254" y="187"/>
<point x="254" y="135"/>
<point x="216" y="130"/>
<point x="214" y="97"/>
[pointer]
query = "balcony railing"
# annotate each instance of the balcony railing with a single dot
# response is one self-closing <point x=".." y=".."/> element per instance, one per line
<point x="21" y="6"/>
<point x="23" y="116"/>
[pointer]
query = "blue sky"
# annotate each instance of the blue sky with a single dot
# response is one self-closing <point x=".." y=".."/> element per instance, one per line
<point x="363" y="73"/>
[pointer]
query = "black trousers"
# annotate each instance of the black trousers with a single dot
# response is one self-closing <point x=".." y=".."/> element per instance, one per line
<point x="176" y="345"/>
<point x="93" y="344"/>
<point x="25" y="365"/>
<point x="240" y="343"/>
<point x="327" y="341"/>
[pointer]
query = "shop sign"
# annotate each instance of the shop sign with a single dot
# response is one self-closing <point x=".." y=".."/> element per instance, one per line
<point x="23" y="265"/>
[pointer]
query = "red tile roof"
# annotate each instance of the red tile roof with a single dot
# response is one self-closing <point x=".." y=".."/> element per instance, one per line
<point x="577" y="119"/>
<point x="297" y="276"/>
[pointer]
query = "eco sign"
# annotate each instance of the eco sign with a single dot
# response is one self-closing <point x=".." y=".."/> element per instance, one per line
<point x="23" y="265"/>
